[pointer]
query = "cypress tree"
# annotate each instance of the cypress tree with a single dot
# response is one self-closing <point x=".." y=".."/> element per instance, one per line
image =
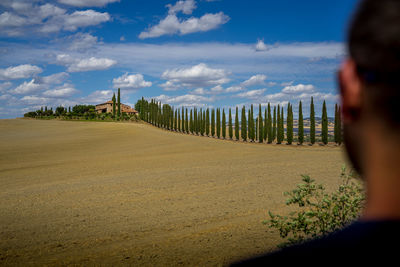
<point x="274" y="125"/>
<point x="265" y="131"/>
<point x="300" y="123"/>
<point x="289" y="125"/>
<point x="256" y="129"/>
<point x="335" y="126"/>
<point x="312" y="122"/>
<point x="249" y="126"/>
<point x="243" y="133"/>
<point x="278" y="122"/>
<point x="213" y="122"/>
<point x="119" y="104"/>
<point x="237" y="124"/>
<point x="176" y="121"/>
<point x="208" y="122"/>
<point x="252" y="131"/>
<point x="183" y="120"/>
<point x="218" y="123"/>
<point x="204" y="122"/>
<point x="186" y="121"/>
<point x="223" y="124"/>
<point x="179" y="120"/>
<point x="191" y="122"/>
<point x="324" y="130"/>
<point x="113" y="107"/>
<point x="230" y="125"/>
<point x="270" y="128"/>
<point x="260" y="125"/>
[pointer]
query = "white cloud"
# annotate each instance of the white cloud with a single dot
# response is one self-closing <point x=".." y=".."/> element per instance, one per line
<point x="82" y="42"/>
<point x="65" y="91"/>
<point x="234" y="89"/>
<point x="133" y="81"/>
<point x="196" y="76"/>
<point x="261" y="46"/>
<point x="287" y="83"/>
<point x="172" y="25"/>
<point x="255" y="80"/>
<point x="97" y="97"/>
<point x="252" y="94"/>
<point x="86" y="64"/>
<point x="188" y="100"/>
<point x="56" y="78"/>
<point x="87" y="3"/>
<point x="27" y="88"/>
<point x="47" y="18"/>
<point x="186" y="6"/>
<point x="5" y="86"/>
<point x="217" y="89"/>
<point x="8" y="19"/>
<point x="35" y="100"/>
<point x="84" y="18"/>
<point x="199" y="91"/>
<point x="300" y="88"/>
<point x="19" y="72"/>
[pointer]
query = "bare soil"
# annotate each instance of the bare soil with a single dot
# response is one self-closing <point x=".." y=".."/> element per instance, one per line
<point x="93" y="193"/>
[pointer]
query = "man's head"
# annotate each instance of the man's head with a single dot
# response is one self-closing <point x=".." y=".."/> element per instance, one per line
<point x="370" y="78"/>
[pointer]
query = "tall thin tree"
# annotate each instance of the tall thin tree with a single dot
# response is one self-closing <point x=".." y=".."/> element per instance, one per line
<point x="312" y="122"/>
<point x="114" y="106"/>
<point x="237" y="124"/>
<point x="324" y="125"/>
<point x="230" y="125"/>
<point x="243" y="133"/>
<point x="223" y="124"/>
<point x="119" y="104"/>
<point x="213" y="122"/>
<point x="300" y="125"/>
<point x="289" y="125"/>
<point x="208" y="122"/>
<point x="270" y="128"/>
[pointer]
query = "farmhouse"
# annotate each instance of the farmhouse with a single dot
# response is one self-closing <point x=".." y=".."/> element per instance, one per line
<point x="107" y="107"/>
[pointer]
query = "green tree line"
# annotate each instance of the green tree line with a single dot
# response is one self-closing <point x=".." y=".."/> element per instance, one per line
<point x="271" y="125"/>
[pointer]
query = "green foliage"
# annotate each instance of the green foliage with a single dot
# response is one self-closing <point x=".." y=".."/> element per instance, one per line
<point x="237" y="124"/>
<point x="324" y="130"/>
<point x="274" y="125"/>
<point x="119" y="104"/>
<point x="243" y="133"/>
<point x="208" y="122"/>
<point x="223" y="124"/>
<point x="319" y="212"/>
<point x="213" y="122"/>
<point x="338" y="126"/>
<point x="218" y="123"/>
<point x="114" y="105"/>
<point x="289" y="125"/>
<point x="312" y="122"/>
<point x="301" y="124"/>
<point x="266" y="123"/>
<point x="270" y="128"/>
<point x="230" y="125"/>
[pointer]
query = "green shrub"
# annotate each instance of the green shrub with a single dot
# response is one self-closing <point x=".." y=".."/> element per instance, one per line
<point x="319" y="212"/>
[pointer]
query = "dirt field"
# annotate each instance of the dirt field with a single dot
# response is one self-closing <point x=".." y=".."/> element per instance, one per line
<point x="92" y="193"/>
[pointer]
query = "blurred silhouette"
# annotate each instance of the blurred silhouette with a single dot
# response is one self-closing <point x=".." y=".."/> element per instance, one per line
<point x="369" y="81"/>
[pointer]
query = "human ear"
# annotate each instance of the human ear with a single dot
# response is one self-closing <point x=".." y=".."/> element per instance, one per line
<point x="350" y="90"/>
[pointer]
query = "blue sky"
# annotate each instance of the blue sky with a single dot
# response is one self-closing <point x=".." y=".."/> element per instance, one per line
<point x="203" y="53"/>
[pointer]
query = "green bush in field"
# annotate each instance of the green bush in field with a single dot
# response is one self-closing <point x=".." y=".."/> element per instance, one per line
<point x="319" y="212"/>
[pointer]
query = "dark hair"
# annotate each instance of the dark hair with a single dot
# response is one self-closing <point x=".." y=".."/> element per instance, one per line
<point x="374" y="45"/>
